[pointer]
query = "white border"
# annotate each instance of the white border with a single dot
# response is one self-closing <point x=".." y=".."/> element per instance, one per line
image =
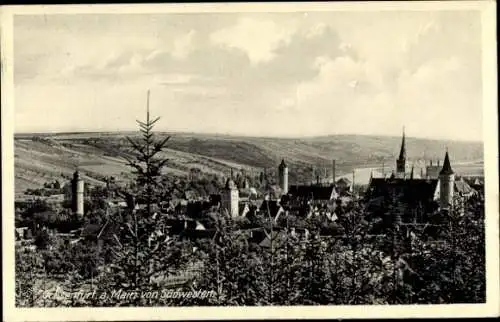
<point x="490" y="117"/>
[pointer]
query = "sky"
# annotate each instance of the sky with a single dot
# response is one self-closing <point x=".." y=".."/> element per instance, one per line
<point x="265" y="74"/>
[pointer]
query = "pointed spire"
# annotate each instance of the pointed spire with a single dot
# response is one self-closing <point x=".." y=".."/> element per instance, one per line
<point x="230" y="185"/>
<point x="282" y="164"/>
<point x="446" y="170"/>
<point x="402" y="152"/>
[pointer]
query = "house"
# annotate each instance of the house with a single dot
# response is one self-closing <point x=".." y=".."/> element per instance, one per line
<point x="215" y="199"/>
<point x="23" y="233"/>
<point x="415" y="195"/>
<point x="477" y="184"/>
<point x="432" y="171"/>
<point x="191" y="195"/>
<point x="313" y="192"/>
<point x="270" y="208"/>
<point x="247" y="194"/>
<point x="343" y="185"/>
<point x="411" y="199"/>
<point x="273" y="192"/>
<point x="463" y="189"/>
<point x="244" y="209"/>
<point x="54" y="199"/>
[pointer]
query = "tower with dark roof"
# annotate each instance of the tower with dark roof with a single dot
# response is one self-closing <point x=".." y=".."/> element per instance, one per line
<point x="446" y="184"/>
<point x="77" y="190"/>
<point x="230" y="198"/>
<point x="401" y="161"/>
<point x="283" y="176"/>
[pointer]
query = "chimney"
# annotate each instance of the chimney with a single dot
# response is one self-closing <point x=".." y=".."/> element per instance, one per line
<point x="333" y="171"/>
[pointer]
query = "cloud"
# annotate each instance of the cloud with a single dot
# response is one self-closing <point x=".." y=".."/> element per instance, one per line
<point x="256" y="37"/>
<point x="183" y="45"/>
<point x="352" y="96"/>
<point x="295" y="60"/>
<point x="281" y="74"/>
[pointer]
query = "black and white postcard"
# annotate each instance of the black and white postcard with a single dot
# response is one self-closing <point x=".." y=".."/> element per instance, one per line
<point x="260" y="160"/>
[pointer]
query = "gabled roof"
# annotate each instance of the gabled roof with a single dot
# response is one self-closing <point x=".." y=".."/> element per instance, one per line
<point x="243" y="209"/>
<point x="273" y="205"/>
<point x="246" y="192"/>
<point x="408" y="191"/>
<point x="93" y="230"/>
<point x="344" y="180"/>
<point x="477" y="182"/>
<point x="257" y="203"/>
<point x="274" y="191"/>
<point x="313" y="192"/>
<point x="462" y="187"/>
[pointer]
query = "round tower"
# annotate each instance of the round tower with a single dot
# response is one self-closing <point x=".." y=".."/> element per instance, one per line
<point x="230" y="198"/>
<point x="446" y="184"/>
<point x="283" y="176"/>
<point x="77" y="186"/>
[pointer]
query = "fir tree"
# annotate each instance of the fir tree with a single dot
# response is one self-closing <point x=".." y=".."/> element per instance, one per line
<point x="146" y="163"/>
<point x="143" y="250"/>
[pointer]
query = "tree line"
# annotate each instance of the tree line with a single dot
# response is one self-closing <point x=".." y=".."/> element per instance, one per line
<point x="400" y="266"/>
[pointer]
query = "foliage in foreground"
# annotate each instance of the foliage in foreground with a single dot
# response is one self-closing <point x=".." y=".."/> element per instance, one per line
<point x="400" y="267"/>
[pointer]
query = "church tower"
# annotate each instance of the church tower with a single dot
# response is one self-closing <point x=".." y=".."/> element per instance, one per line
<point x="230" y="198"/>
<point x="401" y="161"/>
<point x="446" y="184"/>
<point x="77" y="190"/>
<point x="283" y="177"/>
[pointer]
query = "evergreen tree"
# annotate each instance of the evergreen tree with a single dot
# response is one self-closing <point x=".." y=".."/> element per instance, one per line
<point x="231" y="268"/>
<point x="143" y="251"/>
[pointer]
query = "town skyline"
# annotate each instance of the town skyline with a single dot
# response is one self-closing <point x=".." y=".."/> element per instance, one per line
<point x="294" y="75"/>
<point x="295" y="159"/>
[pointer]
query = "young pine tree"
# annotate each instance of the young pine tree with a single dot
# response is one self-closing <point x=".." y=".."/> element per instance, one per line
<point x="143" y="250"/>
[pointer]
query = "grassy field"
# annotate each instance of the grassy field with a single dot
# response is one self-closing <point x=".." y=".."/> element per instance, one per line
<point x="56" y="156"/>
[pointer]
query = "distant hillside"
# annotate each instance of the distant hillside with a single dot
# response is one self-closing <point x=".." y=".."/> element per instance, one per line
<point x="39" y="157"/>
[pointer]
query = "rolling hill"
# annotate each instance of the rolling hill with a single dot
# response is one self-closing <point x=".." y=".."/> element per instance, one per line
<point x="43" y="157"/>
